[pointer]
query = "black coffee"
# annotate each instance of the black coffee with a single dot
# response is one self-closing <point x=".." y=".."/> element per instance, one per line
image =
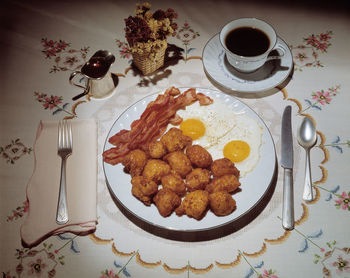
<point x="247" y="41"/>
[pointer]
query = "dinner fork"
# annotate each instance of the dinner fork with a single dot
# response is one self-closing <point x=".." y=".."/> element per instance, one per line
<point x="65" y="141"/>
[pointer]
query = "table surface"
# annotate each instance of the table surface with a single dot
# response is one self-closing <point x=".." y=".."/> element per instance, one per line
<point x="43" y="42"/>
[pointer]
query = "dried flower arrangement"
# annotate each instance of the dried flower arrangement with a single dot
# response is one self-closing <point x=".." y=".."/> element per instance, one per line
<point x="146" y="33"/>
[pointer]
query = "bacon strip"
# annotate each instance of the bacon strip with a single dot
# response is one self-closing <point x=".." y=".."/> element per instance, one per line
<point x="204" y="100"/>
<point x="152" y="123"/>
<point x="176" y="120"/>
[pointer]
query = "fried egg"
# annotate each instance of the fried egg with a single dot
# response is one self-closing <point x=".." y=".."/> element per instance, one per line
<point x="241" y="144"/>
<point x="224" y="133"/>
<point x="193" y="127"/>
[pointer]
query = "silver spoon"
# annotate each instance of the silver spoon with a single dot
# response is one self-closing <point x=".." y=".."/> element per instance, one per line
<point x="307" y="139"/>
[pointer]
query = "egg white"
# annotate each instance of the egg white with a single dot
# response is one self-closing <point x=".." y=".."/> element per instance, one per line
<point x="247" y="130"/>
<point x="222" y="126"/>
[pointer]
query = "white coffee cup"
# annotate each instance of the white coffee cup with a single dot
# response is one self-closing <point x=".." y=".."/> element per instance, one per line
<point x="245" y="63"/>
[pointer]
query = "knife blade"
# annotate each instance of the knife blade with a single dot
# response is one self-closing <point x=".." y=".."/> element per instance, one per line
<point x="287" y="164"/>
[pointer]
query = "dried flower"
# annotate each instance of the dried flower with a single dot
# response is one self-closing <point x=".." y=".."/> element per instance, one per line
<point x="136" y="30"/>
<point x="145" y="31"/>
<point x="159" y="15"/>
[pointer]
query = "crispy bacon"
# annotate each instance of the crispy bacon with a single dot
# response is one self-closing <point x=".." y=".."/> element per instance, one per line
<point x="172" y="91"/>
<point x="116" y="155"/>
<point x="176" y="120"/>
<point x="152" y="123"/>
<point x="203" y="99"/>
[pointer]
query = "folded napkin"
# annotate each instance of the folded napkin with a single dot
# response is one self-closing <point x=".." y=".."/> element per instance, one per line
<point x="43" y="186"/>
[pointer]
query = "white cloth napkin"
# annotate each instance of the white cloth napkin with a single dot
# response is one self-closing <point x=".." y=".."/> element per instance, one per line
<point x="43" y="186"/>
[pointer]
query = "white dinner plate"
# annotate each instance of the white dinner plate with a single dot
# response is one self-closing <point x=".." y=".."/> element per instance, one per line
<point x="272" y="74"/>
<point x="255" y="184"/>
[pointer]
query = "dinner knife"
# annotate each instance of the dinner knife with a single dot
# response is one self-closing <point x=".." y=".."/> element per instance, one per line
<point x="287" y="164"/>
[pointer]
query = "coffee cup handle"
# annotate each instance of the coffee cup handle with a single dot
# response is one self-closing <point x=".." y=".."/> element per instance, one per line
<point x="71" y="77"/>
<point x="282" y="51"/>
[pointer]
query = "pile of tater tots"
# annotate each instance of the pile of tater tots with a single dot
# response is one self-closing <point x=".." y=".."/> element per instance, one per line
<point x="180" y="177"/>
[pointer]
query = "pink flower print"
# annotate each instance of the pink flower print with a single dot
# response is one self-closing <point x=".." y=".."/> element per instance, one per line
<point x="334" y="90"/>
<point x="322" y="46"/>
<point x="17" y="214"/>
<point x="36" y="264"/>
<point x="125" y="52"/>
<point x="301" y="56"/>
<point x="48" y="44"/>
<point x="51" y="102"/>
<point x="19" y="211"/>
<point x="186" y="34"/>
<point x="63" y="59"/>
<point x="341" y="265"/>
<point x="344" y="201"/>
<point x="108" y="274"/>
<point x="325" y="36"/>
<point x="36" y="267"/>
<point x="50" y="52"/>
<point x="320" y="42"/>
<point x="71" y="60"/>
<point x="39" y="96"/>
<point x="322" y="97"/>
<point x="61" y="45"/>
<point x="312" y="40"/>
<point x="51" y="48"/>
<point x="268" y="274"/>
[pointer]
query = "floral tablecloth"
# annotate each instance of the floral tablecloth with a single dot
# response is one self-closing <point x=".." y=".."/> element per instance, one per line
<point x="43" y="42"/>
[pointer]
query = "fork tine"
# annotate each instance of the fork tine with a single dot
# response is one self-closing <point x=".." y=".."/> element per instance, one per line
<point x="70" y="136"/>
<point x="60" y="135"/>
<point x="65" y="134"/>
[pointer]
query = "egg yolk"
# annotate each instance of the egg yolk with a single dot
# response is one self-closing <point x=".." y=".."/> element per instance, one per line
<point x="236" y="150"/>
<point x="193" y="128"/>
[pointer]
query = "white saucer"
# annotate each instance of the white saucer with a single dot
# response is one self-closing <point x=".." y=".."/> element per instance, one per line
<point x="273" y="73"/>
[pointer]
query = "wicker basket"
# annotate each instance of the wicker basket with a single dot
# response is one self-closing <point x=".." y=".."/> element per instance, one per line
<point x="147" y="62"/>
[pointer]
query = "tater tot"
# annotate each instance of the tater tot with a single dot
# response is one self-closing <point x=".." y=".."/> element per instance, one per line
<point x="175" y="140"/>
<point x="174" y="182"/>
<point x="143" y="189"/>
<point x="166" y="201"/>
<point x="194" y="205"/>
<point x="197" y="179"/>
<point x="228" y="183"/>
<point x="155" y="169"/>
<point x="199" y="156"/>
<point x="179" y="162"/>
<point x="221" y="203"/>
<point x="134" y="162"/>
<point x="223" y="166"/>
<point x="156" y="149"/>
